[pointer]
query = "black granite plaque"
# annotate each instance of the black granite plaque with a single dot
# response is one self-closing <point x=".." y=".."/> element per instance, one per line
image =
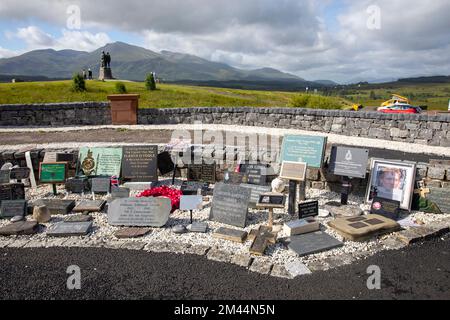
<point x="256" y="191"/>
<point x="12" y="191"/>
<point x="189" y="188"/>
<point x="308" y="209"/>
<point x="20" y="173"/>
<point x="65" y="157"/>
<point x="165" y="163"/>
<point x="231" y="177"/>
<point x="4" y="176"/>
<point x="349" y="162"/>
<point x="77" y="185"/>
<point x="12" y="208"/>
<point x="202" y="172"/>
<point x="271" y="199"/>
<point x="56" y="206"/>
<point x="139" y="163"/>
<point x="255" y="177"/>
<point x="101" y="185"/>
<point x="386" y="208"/>
<point x="230" y="204"/>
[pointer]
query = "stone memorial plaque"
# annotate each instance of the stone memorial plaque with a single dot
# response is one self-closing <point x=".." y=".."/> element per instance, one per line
<point x="49" y="157"/>
<point x="65" y="157"/>
<point x="20" y="228"/>
<point x="119" y="193"/>
<point x="139" y="163"/>
<point x="308" y="209"/>
<point x="20" y="173"/>
<point x="308" y="149"/>
<point x="311" y="243"/>
<point x="129" y="233"/>
<point x="230" y="177"/>
<point x="165" y="163"/>
<point x="440" y="197"/>
<point x="188" y="203"/>
<point x="256" y="192"/>
<point x="272" y="200"/>
<point x="101" y="185"/>
<point x="4" y="176"/>
<point x="90" y="206"/>
<point x="255" y="177"/>
<point x="12" y="208"/>
<point x="53" y="172"/>
<point x="78" y="218"/>
<point x="364" y="228"/>
<point x="68" y="229"/>
<point x="295" y="171"/>
<point x="230" y="205"/>
<point x="189" y="188"/>
<point x="230" y="234"/>
<point x="139" y="212"/>
<point x="56" y="206"/>
<point x="12" y="191"/>
<point x="99" y="162"/>
<point x="349" y="162"/>
<point x="264" y="169"/>
<point x="386" y="208"/>
<point x="198" y="227"/>
<point x="202" y="172"/>
<point x="301" y="226"/>
<point x="77" y="185"/>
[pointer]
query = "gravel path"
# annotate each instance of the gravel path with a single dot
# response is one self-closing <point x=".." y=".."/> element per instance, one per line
<point x="418" y="272"/>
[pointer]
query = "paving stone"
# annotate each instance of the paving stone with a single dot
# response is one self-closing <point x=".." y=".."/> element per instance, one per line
<point x="393" y="243"/>
<point x="338" y="261"/>
<point x="35" y="244"/>
<point x="133" y="245"/>
<point x="199" y="250"/>
<point x="218" y="255"/>
<point x="242" y="259"/>
<point x="55" y="243"/>
<point x="437" y="173"/>
<point x="157" y="247"/>
<point x="178" y="247"/>
<point x="315" y="266"/>
<point x="297" y="268"/>
<point x="280" y="272"/>
<point x="113" y="245"/>
<point x="18" y="243"/>
<point x="132" y="232"/>
<point x="261" y="265"/>
<point x="408" y="236"/>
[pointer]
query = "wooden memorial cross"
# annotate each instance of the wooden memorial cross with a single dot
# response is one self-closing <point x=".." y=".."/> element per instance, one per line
<point x="261" y="239"/>
<point x="422" y="191"/>
<point x="270" y="205"/>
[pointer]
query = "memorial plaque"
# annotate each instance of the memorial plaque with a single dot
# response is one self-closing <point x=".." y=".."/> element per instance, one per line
<point x="256" y="191"/>
<point x="308" y="209"/>
<point x="386" y="208"/>
<point x="68" y="229"/>
<point x="90" y="206"/>
<point x="165" y="163"/>
<point x="99" y="162"/>
<point x="101" y="185"/>
<point x="13" y="208"/>
<point x="230" y="205"/>
<point x="78" y="218"/>
<point x="230" y="234"/>
<point x="202" y="172"/>
<point x="264" y="169"/>
<point x="255" y="177"/>
<point x="349" y="162"/>
<point x="188" y="203"/>
<point x="53" y="172"/>
<point x="4" y="176"/>
<point x="65" y="157"/>
<point x="295" y="171"/>
<point x="139" y="163"/>
<point x="20" y="228"/>
<point x="20" y="173"/>
<point x="311" y="243"/>
<point x="49" y="157"/>
<point x="77" y="185"/>
<point x="308" y="149"/>
<point x="139" y="212"/>
<point x="440" y="197"/>
<point x="56" y="206"/>
<point x="12" y="191"/>
<point x="272" y="200"/>
<point x="198" y="227"/>
<point x="190" y="188"/>
<point x="231" y="177"/>
<point x="130" y="233"/>
<point x="119" y="193"/>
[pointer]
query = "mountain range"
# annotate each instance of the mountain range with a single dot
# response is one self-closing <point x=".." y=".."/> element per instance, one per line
<point x="134" y="63"/>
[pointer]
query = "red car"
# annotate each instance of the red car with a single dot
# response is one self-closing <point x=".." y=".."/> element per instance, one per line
<point x="400" y="108"/>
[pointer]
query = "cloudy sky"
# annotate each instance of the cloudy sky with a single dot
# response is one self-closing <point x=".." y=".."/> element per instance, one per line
<point x="341" y="40"/>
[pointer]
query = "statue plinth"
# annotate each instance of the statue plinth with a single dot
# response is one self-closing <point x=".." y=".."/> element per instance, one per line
<point x="105" y="74"/>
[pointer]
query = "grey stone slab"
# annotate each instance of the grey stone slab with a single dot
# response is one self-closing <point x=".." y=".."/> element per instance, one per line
<point x="51" y="243"/>
<point x="56" y="206"/>
<point x="35" y="244"/>
<point x="139" y="212"/>
<point x="297" y="268"/>
<point x="90" y="206"/>
<point x="157" y="247"/>
<point x="280" y="272"/>
<point x="261" y="265"/>
<point x="315" y="266"/>
<point x="20" y="228"/>
<point x="78" y="218"/>
<point x="242" y="259"/>
<point x="311" y="243"/>
<point x="133" y="245"/>
<point x="199" y="250"/>
<point x="198" y="227"/>
<point x="132" y="232"/>
<point x="218" y="255"/>
<point x="393" y="243"/>
<point x="64" y="229"/>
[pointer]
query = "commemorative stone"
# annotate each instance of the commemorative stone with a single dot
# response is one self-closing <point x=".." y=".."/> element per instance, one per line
<point x="386" y="208"/>
<point x="202" y="172"/>
<point x="139" y="212"/>
<point x="254" y="176"/>
<point x="78" y="218"/>
<point x="256" y="191"/>
<point x="440" y="197"/>
<point x="139" y="163"/>
<point x="311" y="243"/>
<point x="127" y="233"/>
<point x="230" y="205"/>
<point x="230" y="234"/>
<point x="4" y="176"/>
<point x="99" y="162"/>
<point x="308" y="209"/>
<point x="192" y="188"/>
<point x="349" y="162"/>
<point x="198" y="227"/>
<point x="119" y="193"/>
<point x="65" y="229"/>
<point x="301" y="226"/>
<point x="56" y="206"/>
<point x="12" y="208"/>
<point x="20" y="173"/>
<point x="20" y="228"/>
<point x="77" y="185"/>
<point x="12" y="191"/>
<point x="101" y="185"/>
<point x="308" y="149"/>
<point x="90" y="206"/>
<point x="295" y="171"/>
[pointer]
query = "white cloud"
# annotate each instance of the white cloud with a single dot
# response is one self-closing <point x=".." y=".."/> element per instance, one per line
<point x="5" y="53"/>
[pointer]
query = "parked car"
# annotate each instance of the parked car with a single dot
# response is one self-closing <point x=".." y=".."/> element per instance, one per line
<point x="400" y="108"/>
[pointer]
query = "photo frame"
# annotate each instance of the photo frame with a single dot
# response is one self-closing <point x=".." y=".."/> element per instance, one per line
<point x="392" y="180"/>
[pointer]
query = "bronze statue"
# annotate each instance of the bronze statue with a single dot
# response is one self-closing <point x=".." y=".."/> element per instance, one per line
<point x="103" y="59"/>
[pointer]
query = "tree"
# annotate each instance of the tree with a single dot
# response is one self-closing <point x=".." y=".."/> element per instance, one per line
<point x="121" y="88"/>
<point x="79" y="84"/>
<point x="372" y="95"/>
<point x="150" y="82"/>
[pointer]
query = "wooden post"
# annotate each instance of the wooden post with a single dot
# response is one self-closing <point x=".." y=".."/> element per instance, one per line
<point x="292" y="197"/>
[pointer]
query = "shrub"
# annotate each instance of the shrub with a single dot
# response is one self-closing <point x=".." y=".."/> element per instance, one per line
<point x="314" y="102"/>
<point x="150" y="82"/>
<point x="79" y="85"/>
<point x="121" y="88"/>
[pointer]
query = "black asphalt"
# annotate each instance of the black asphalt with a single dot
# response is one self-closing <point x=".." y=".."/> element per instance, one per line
<point x="421" y="271"/>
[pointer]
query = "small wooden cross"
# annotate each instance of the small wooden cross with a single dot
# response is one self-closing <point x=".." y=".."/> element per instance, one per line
<point x="261" y="239"/>
<point x="422" y="191"/>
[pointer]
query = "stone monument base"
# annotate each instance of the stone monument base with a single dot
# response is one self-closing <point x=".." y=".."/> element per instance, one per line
<point x="105" y="74"/>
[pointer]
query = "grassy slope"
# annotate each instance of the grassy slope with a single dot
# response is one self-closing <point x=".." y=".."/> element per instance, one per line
<point x="435" y="96"/>
<point x="167" y="96"/>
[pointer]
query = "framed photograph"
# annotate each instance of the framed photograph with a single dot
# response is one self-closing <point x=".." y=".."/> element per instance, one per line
<point x="392" y="180"/>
